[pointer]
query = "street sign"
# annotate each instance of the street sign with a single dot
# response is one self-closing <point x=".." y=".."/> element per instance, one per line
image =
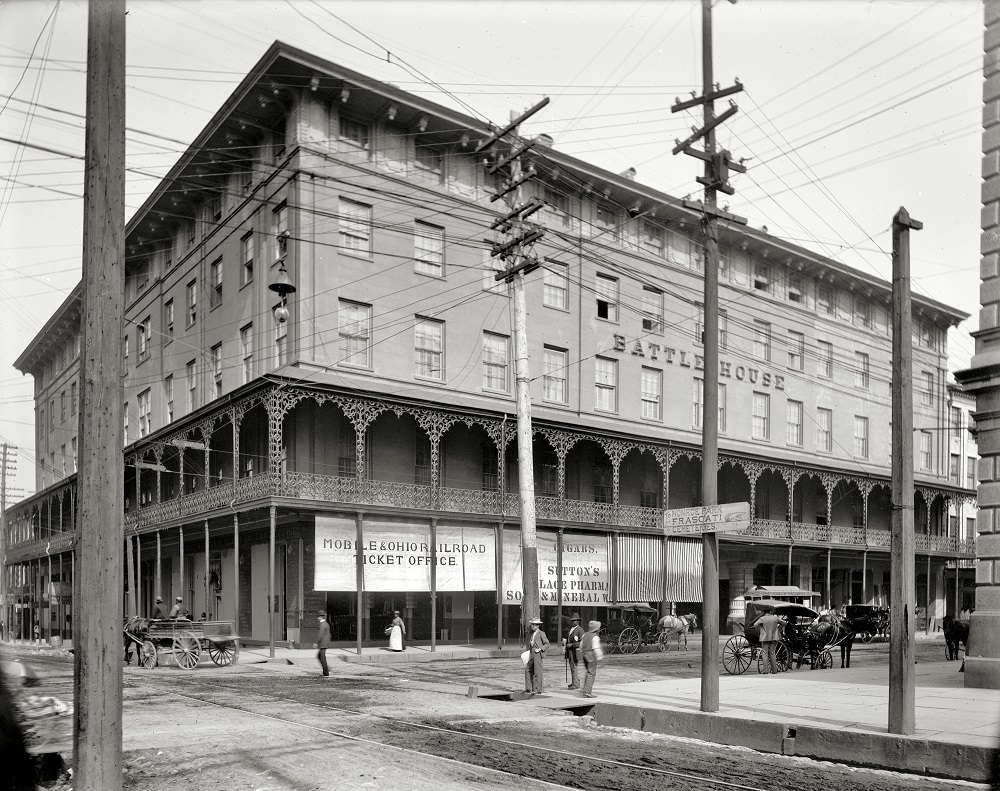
<point x="725" y="518"/>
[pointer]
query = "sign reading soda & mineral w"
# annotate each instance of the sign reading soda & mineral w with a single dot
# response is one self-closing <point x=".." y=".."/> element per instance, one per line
<point x="725" y="518"/>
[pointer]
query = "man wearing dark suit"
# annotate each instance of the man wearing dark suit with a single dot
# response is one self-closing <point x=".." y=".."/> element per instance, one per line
<point x="323" y="642"/>
<point x="538" y="644"/>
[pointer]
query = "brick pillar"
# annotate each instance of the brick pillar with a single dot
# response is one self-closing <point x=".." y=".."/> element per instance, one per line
<point x="982" y="379"/>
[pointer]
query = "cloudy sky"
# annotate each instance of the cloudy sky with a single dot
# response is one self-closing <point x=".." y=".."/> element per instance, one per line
<point x="851" y="109"/>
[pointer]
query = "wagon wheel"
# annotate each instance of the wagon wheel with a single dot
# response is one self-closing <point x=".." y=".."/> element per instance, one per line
<point x="222" y="653"/>
<point x="628" y="640"/>
<point x="663" y="641"/>
<point x="825" y="660"/>
<point x="737" y="655"/>
<point x="147" y="655"/>
<point x="609" y="644"/>
<point x="187" y="650"/>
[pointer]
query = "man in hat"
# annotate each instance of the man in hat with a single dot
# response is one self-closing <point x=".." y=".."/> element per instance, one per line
<point x="159" y="610"/>
<point x="177" y="611"/>
<point x="590" y="647"/>
<point x="538" y="644"/>
<point x="323" y="642"/>
<point x="572" y="645"/>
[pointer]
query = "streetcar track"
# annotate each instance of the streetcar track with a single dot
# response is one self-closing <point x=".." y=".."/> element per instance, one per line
<point x="584" y="759"/>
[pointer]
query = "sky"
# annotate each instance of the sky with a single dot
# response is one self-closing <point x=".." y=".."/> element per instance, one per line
<point x="850" y="109"/>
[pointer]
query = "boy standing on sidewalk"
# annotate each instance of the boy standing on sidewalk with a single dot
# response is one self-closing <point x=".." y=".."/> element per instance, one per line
<point x="572" y="643"/>
<point x="590" y="646"/>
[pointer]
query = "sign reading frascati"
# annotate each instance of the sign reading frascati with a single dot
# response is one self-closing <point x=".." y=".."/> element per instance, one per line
<point x="725" y="518"/>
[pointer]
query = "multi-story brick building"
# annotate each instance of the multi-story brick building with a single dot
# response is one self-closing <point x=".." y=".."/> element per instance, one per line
<point x="366" y="442"/>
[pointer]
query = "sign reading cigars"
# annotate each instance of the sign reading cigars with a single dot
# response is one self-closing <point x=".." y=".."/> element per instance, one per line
<point x="724" y="518"/>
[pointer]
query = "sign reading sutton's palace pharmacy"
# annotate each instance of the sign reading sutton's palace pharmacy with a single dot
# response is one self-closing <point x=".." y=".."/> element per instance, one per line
<point x="397" y="556"/>
<point x="668" y="355"/>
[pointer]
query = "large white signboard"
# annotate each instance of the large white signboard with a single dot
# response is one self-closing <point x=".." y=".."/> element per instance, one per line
<point x="397" y="556"/>
<point x="586" y="570"/>
<point x="724" y="518"/>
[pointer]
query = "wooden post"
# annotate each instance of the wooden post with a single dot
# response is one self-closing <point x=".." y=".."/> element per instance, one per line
<point x="180" y="532"/>
<point x="902" y="645"/>
<point x="433" y="584"/>
<point x="359" y="572"/>
<point x="130" y="566"/>
<point x="270" y="582"/>
<point x="158" y="584"/>
<point x="829" y="590"/>
<point x="236" y="581"/>
<point x="207" y="609"/>
<point x="98" y="611"/>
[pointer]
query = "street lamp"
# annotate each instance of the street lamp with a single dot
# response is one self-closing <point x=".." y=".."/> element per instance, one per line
<point x="282" y="284"/>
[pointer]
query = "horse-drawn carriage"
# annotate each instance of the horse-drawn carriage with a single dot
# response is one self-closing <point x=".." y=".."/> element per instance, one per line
<point x="800" y="642"/>
<point x="868" y="622"/>
<point x="638" y="627"/>
<point x="185" y="640"/>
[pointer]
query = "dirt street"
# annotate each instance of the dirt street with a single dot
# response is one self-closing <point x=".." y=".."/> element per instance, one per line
<point x="411" y="726"/>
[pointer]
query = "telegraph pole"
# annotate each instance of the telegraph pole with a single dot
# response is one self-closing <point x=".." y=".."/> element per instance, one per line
<point x="902" y="679"/>
<point x="514" y="248"/>
<point x="716" y="179"/>
<point x="97" y="677"/>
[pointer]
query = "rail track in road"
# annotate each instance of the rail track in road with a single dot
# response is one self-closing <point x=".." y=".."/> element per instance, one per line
<point x="556" y="768"/>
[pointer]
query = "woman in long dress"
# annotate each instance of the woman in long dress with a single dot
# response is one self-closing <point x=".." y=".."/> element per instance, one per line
<point x="396" y="632"/>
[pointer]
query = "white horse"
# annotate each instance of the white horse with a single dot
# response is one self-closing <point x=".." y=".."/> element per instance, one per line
<point x="677" y="626"/>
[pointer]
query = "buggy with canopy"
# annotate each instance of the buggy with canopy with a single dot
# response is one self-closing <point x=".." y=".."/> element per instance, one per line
<point x="798" y="644"/>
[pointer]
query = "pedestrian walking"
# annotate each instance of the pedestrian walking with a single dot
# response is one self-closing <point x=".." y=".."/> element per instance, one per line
<point x="396" y="630"/>
<point x="323" y="642"/>
<point x="398" y="621"/>
<point x="590" y="647"/>
<point x="771" y="628"/>
<point x="571" y="643"/>
<point x="538" y="644"/>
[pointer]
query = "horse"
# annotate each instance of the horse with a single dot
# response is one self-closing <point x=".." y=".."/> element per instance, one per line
<point x="832" y="629"/>
<point x="677" y="625"/>
<point x="134" y="628"/>
<point x="955" y="633"/>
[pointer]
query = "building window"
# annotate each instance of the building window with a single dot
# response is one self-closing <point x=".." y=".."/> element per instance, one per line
<point x="215" y="295"/>
<point x="422" y="461"/>
<point x="824" y="430"/>
<point x="956" y="421"/>
<point x="143" y="334"/>
<point x="762" y="277"/>
<point x="762" y="340"/>
<point x="279" y="222"/>
<point x="651" y="393"/>
<point x="699" y="326"/>
<point x="62" y="407"/>
<point x="73" y="398"/>
<point x="168" y="320"/>
<point x="192" y="302"/>
<point x="192" y="386"/>
<point x="606" y="220"/>
<point x="168" y="399"/>
<point x="548" y="474"/>
<point x="796" y="350"/>
<point x="246" y="258"/>
<point x="862" y="313"/>
<point x="761" y="425"/>
<point x="217" y="369"/>
<point x="428" y="249"/>
<point x="970" y="472"/>
<point x="246" y="352"/>
<point x="555" y="286"/>
<point x="603" y="482"/>
<point x="793" y="423"/>
<point x="605" y="384"/>
<point x="495" y="361"/>
<point x="860" y="437"/>
<point x="72" y="445"/>
<point x="824" y="359"/>
<point x="144" y="405"/>
<point x="281" y="343"/>
<point x="557" y="208"/>
<point x="862" y="373"/>
<point x="607" y="297"/>
<point x="927" y="392"/>
<point x="355" y="228"/>
<point x="354" y="132"/>
<point x="426" y="156"/>
<point x="698" y="403"/>
<point x="652" y="238"/>
<point x="722" y="409"/>
<point x="925" y="450"/>
<point x="490" y="470"/>
<point x="954" y="469"/>
<point x="52" y="414"/>
<point x="824" y="300"/>
<point x="794" y="292"/>
<point x="652" y="310"/>
<point x="429" y="349"/>
<point x="355" y="333"/>
<point x="554" y="377"/>
<point x="347" y="448"/>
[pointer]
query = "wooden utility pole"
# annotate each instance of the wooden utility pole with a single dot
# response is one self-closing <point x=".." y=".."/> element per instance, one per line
<point x="514" y="249"/>
<point x="97" y="725"/>
<point x="716" y="178"/>
<point x="902" y="563"/>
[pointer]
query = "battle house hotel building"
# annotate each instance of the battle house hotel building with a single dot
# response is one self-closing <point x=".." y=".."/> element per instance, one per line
<point x="367" y="441"/>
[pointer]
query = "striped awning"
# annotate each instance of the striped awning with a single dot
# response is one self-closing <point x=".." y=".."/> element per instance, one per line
<point x="639" y="568"/>
<point x="682" y="567"/>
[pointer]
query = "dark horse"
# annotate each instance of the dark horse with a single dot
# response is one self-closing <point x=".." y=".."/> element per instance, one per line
<point x="955" y="633"/>
<point x="831" y="630"/>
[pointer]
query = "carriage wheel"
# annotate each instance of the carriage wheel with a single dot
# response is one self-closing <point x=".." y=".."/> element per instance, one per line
<point x="867" y="637"/>
<point x="610" y="645"/>
<point x="628" y="640"/>
<point x="825" y="660"/>
<point x="222" y="653"/>
<point x="147" y="655"/>
<point x="737" y="655"/>
<point x="187" y="650"/>
<point x="782" y="658"/>
<point x="663" y="641"/>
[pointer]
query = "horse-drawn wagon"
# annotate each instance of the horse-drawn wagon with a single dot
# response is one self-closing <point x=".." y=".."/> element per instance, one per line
<point x="185" y="640"/>
<point x="798" y="645"/>
<point x="630" y="632"/>
<point x="868" y="622"/>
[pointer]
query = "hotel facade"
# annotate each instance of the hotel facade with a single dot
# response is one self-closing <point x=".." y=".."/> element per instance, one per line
<point x="359" y="457"/>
